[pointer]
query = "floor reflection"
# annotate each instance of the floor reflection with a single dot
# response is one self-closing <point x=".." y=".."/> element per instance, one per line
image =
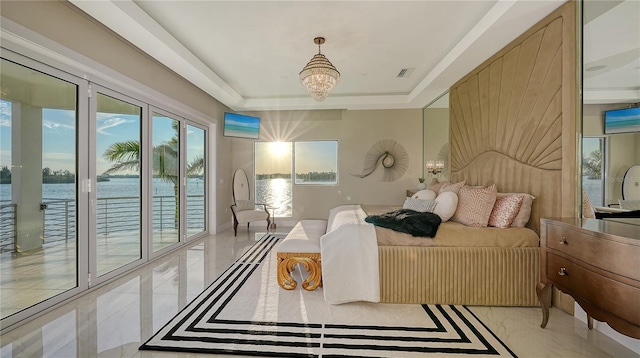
<point x="114" y="320"/>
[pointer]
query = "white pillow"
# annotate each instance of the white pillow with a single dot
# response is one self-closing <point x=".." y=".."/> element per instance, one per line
<point x="423" y="206"/>
<point x="425" y="194"/>
<point x="446" y="204"/>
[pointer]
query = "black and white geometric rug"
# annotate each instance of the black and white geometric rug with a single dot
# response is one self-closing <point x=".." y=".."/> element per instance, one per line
<point x="245" y="312"/>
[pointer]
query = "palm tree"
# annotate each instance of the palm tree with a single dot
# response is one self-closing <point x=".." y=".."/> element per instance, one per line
<point x="592" y="164"/>
<point x="126" y="156"/>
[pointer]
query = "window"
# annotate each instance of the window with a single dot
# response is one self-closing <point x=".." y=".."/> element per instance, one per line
<point x="316" y="162"/>
<point x="593" y="169"/>
<point x="273" y="176"/>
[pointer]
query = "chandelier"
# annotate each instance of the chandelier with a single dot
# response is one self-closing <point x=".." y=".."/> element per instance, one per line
<point x="319" y="76"/>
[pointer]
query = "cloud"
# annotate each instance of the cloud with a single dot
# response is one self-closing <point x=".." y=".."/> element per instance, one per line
<point x="56" y="125"/>
<point x="5" y="113"/>
<point x="110" y="123"/>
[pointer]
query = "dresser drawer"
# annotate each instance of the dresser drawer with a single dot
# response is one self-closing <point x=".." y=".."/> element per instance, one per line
<point x="595" y="251"/>
<point x="615" y="297"/>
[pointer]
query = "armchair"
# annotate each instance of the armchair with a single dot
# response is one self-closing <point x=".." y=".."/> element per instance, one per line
<point x="244" y="209"/>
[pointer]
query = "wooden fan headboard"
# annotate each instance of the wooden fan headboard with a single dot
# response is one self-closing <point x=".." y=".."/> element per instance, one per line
<point x="513" y="122"/>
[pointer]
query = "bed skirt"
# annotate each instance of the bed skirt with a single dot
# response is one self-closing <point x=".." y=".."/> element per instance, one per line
<point x="476" y="276"/>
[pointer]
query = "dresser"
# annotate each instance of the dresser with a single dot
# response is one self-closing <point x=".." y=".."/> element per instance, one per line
<point x="597" y="262"/>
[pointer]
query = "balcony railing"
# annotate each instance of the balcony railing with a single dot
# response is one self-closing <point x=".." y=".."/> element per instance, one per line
<point x="7" y="227"/>
<point x="113" y="215"/>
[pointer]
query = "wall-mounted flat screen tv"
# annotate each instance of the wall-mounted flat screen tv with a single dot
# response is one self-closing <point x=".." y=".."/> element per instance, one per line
<point x="622" y="121"/>
<point x="241" y="126"/>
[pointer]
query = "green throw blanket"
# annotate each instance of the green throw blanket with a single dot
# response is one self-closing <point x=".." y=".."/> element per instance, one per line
<point x="408" y="221"/>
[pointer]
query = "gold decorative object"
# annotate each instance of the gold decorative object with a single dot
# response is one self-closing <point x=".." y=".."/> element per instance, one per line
<point x="391" y="155"/>
<point x="312" y="263"/>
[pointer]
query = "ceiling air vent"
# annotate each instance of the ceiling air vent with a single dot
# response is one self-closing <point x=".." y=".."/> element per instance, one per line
<point x="405" y="72"/>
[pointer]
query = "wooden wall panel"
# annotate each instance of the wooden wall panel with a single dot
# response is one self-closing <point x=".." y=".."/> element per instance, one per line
<point x="512" y="119"/>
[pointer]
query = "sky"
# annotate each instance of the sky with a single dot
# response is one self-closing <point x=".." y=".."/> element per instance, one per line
<point x="59" y="133"/>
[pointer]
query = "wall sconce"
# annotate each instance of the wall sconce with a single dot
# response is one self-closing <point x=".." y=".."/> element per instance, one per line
<point x="435" y="167"/>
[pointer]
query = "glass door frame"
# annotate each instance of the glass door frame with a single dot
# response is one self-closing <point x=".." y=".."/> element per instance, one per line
<point x="49" y="64"/>
<point x="82" y="195"/>
<point x="183" y="149"/>
<point x="149" y="182"/>
<point x="94" y="279"/>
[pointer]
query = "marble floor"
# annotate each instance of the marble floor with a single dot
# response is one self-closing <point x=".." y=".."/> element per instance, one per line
<point x="113" y="320"/>
<point x="34" y="276"/>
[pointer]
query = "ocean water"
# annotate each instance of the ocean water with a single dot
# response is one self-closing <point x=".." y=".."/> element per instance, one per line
<point x="275" y="193"/>
<point x="116" y="187"/>
<point x="121" y="212"/>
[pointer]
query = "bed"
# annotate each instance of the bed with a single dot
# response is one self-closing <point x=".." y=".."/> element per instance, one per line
<point x="460" y="265"/>
<point x="464" y="265"/>
<point x="512" y="123"/>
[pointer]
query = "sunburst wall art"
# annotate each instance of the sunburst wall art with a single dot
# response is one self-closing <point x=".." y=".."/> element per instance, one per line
<point x="388" y="154"/>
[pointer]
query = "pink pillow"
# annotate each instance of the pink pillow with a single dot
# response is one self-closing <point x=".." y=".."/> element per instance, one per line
<point x="451" y="187"/>
<point x="505" y="210"/>
<point x="587" y="209"/>
<point x="435" y="185"/>
<point x="524" y="214"/>
<point x="475" y="205"/>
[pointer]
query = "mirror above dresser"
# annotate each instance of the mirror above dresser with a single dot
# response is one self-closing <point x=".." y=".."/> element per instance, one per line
<point x="610" y="81"/>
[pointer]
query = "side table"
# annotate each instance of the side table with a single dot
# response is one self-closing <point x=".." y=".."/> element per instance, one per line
<point x="273" y="217"/>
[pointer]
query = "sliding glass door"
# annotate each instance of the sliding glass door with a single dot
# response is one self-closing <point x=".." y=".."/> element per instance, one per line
<point x="39" y="253"/>
<point x="165" y="187"/>
<point x="92" y="184"/>
<point x="196" y="180"/>
<point x="118" y="176"/>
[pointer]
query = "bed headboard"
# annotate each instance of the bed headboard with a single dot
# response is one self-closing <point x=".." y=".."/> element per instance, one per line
<point x="513" y="118"/>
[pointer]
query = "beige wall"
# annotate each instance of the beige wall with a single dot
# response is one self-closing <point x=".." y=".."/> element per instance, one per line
<point x="356" y="132"/>
<point x="70" y="27"/>
<point x="623" y="150"/>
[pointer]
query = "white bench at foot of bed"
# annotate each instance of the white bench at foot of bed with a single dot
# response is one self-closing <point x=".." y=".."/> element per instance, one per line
<point x="301" y="246"/>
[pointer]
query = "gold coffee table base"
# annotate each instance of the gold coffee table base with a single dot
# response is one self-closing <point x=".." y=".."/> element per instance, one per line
<point x="312" y="263"/>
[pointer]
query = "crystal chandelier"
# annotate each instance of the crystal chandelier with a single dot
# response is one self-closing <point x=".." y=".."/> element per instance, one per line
<point x="319" y="76"/>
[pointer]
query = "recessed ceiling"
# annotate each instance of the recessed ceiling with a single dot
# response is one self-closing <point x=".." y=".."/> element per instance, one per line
<point x="247" y="54"/>
<point x="611" y="58"/>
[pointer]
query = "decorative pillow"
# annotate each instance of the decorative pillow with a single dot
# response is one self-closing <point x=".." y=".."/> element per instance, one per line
<point x="587" y="209"/>
<point x="452" y="187"/>
<point x="524" y="213"/>
<point x="475" y="205"/>
<point x="423" y="206"/>
<point x="505" y="210"/>
<point x="407" y="221"/>
<point x="446" y="204"/>
<point x="245" y="205"/>
<point x="435" y="185"/>
<point x="425" y="194"/>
